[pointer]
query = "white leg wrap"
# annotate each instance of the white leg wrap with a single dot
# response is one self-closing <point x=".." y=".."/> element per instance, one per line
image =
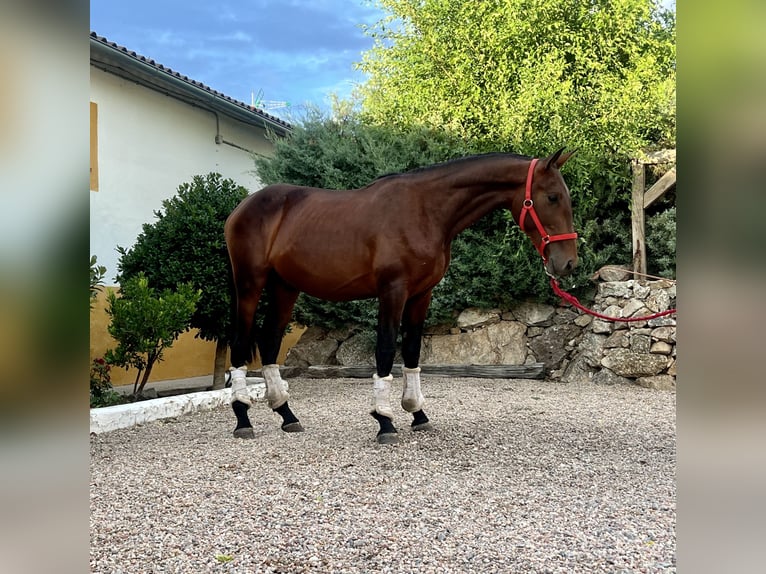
<point x="239" y="390"/>
<point x="412" y="398"/>
<point x="381" y="395"/>
<point x="276" y="388"/>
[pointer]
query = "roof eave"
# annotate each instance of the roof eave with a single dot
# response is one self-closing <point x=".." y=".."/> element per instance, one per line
<point x="119" y="61"/>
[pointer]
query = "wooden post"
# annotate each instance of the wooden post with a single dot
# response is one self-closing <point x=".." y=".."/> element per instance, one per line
<point x="637" y="218"/>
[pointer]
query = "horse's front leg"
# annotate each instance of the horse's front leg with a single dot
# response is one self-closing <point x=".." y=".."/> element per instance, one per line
<point x="389" y="318"/>
<point x="412" y="335"/>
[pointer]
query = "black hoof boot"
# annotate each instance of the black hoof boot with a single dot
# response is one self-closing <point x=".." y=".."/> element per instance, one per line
<point x="387" y="433"/>
<point x="244" y="428"/>
<point x="420" y="422"/>
<point x="290" y="422"/>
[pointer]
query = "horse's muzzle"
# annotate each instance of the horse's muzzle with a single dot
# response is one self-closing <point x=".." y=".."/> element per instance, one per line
<point x="561" y="267"/>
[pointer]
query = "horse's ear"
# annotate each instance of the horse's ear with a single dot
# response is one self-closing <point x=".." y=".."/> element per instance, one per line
<point x="558" y="159"/>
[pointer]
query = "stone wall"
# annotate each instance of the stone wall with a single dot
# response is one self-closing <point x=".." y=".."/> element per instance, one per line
<point x="573" y="346"/>
<point x="643" y="352"/>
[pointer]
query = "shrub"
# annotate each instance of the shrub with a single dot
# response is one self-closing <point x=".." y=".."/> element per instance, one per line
<point x="145" y="323"/>
<point x="102" y="393"/>
<point x="97" y="273"/>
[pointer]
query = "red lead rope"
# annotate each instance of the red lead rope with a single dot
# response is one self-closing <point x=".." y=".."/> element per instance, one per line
<point x="572" y="300"/>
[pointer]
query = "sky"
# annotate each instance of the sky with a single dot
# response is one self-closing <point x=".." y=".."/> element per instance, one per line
<point x="295" y="51"/>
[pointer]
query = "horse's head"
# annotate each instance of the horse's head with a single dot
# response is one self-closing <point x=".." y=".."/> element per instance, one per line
<point x="546" y="214"/>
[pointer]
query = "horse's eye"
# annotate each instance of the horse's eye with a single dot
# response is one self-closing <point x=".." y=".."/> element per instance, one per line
<point x="553" y="198"/>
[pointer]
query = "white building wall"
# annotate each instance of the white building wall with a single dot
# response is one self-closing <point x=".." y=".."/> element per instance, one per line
<point x="148" y="144"/>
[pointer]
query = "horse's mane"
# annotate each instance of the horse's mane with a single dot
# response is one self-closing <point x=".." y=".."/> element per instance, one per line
<point x="456" y="162"/>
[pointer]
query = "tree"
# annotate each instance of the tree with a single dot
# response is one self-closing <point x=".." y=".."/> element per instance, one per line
<point x="339" y="151"/>
<point x="186" y="244"/>
<point x="530" y="74"/>
<point x="144" y="324"/>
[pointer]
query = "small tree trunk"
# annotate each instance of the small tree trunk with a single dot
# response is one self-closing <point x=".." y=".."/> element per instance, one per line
<point x="221" y="361"/>
<point x="135" y="383"/>
<point x="147" y="372"/>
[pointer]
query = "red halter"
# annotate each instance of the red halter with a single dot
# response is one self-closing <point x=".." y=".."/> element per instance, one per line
<point x="529" y="207"/>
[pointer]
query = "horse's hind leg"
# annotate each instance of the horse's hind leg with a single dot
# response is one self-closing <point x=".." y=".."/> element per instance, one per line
<point x="412" y="335"/>
<point x="281" y="300"/>
<point x="248" y="296"/>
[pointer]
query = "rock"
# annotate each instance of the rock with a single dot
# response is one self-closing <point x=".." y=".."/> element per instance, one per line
<point x="616" y="340"/>
<point x="535" y="331"/>
<point x="666" y="334"/>
<point x="578" y="371"/>
<point x="510" y="342"/>
<point x="658" y="300"/>
<point x="549" y="348"/>
<point x="313" y="334"/>
<point x="668" y="285"/>
<point x="619" y="289"/>
<point x="357" y="350"/>
<point x="658" y="382"/>
<point x="473" y="317"/>
<point x="583" y="320"/>
<point x="641" y="291"/>
<point x="534" y="313"/>
<point x="342" y="333"/>
<point x="631" y="364"/>
<point x="632" y="307"/>
<point x="613" y="311"/>
<point x="666" y="321"/>
<point x="564" y="316"/>
<point x="591" y="348"/>
<point x="313" y="348"/>
<point x="501" y="343"/>
<point x="640" y="343"/>
<point x="607" y="377"/>
<point x="601" y="326"/>
<point x="610" y="273"/>
<point x="661" y="348"/>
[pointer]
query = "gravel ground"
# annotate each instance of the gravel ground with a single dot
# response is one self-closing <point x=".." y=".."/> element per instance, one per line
<point x="543" y="478"/>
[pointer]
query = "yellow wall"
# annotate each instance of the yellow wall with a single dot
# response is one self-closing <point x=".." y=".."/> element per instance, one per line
<point x="188" y="357"/>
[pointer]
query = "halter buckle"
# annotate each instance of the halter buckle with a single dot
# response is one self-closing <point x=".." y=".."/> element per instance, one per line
<point x="528" y="203"/>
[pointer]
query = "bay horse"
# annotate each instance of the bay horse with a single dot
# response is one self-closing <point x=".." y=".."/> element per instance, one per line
<point x="389" y="240"/>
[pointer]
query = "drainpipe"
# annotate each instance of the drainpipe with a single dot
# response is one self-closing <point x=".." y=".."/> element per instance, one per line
<point x="219" y="138"/>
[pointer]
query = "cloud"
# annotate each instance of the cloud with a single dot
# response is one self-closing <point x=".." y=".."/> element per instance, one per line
<point x="238" y="36"/>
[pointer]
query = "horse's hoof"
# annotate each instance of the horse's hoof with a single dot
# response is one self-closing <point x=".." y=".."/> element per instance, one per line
<point x="427" y="426"/>
<point x="292" y="427"/>
<point x="244" y="432"/>
<point x="388" y="438"/>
